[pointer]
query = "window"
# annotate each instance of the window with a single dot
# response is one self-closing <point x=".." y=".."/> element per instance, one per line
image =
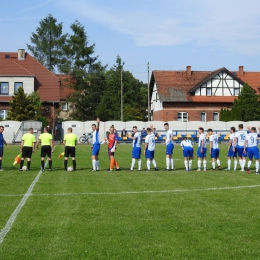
<point x="17" y="85"/>
<point x="3" y="114"/>
<point x="203" y="116"/>
<point x="236" y="91"/>
<point x="208" y="91"/>
<point x="64" y="106"/>
<point x="183" y="117"/>
<point x="215" y="116"/>
<point x="4" y="88"/>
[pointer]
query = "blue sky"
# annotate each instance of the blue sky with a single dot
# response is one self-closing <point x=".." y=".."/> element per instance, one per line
<point x="168" y="34"/>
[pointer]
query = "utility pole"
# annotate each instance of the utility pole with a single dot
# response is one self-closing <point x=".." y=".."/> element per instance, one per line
<point x="148" y="86"/>
<point x="122" y="111"/>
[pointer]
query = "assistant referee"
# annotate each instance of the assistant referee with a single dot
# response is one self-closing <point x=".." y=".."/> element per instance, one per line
<point x="47" y="147"/>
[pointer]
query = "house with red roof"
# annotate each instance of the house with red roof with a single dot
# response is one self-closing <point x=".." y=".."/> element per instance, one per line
<point x="21" y="69"/>
<point x="197" y="95"/>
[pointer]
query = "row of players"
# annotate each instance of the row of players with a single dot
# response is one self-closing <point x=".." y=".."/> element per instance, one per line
<point x="241" y="144"/>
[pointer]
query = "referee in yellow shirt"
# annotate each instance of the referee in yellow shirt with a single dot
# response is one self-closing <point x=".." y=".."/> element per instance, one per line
<point x="70" y="141"/>
<point x="47" y="147"/>
<point x="27" y="148"/>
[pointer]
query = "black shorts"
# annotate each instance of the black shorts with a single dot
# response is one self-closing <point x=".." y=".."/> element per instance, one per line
<point x="70" y="151"/>
<point x="27" y="152"/>
<point x="46" y="150"/>
<point x="1" y="151"/>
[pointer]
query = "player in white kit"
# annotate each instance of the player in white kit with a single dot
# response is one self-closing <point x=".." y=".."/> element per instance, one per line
<point x="251" y="148"/>
<point x="187" y="149"/>
<point x="136" y="151"/>
<point x="231" y="153"/>
<point x="169" y="148"/>
<point x="202" y="150"/>
<point x="214" y="149"/>
<point x="149" y="149"/>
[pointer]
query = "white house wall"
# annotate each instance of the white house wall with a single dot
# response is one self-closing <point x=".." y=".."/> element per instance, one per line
<point x="28" y="83"/>
<point x="156" y="104"/>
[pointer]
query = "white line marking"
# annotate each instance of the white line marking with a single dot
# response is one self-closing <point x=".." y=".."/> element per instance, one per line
<point x="135" y="192"/>
<point x="12" y="218"/>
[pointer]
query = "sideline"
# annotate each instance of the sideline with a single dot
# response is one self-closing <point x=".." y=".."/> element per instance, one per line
<point x="12" y="218"/>
<point x="134" y="192"/>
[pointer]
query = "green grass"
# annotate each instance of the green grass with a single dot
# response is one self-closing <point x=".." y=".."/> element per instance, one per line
<point x="129" y="215"/>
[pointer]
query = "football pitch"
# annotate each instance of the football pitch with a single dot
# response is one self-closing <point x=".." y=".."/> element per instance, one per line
<point x="127" y="215"/>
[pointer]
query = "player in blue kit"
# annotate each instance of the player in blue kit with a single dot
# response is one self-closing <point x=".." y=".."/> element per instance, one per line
<point x="202" y="150"/>
<point x="95" y="146"/>
<point x="136" y="151"/>
<point x="2" y="143"/>
<point x="187" y="149"/>
<point x="169" y="148"/>
<point x="251" y="148"/>
<point x="214" y="149"/>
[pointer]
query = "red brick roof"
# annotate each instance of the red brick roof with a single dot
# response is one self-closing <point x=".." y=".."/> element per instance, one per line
<point x="176" y="86"/>
<point x="46" y="82"/>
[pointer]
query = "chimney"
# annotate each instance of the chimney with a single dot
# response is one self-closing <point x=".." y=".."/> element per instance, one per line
<point x="21" y="54"/>
<point x="188" y="70"/>
<point x="241" y="71"/>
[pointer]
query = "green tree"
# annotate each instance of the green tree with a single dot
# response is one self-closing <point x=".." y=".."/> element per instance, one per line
<point x="86" y="72"/>
<point x="22" y="108"/>
<point x="134" y="96"/>
<point x="246" y="107"/>
<point x="47" y="42"/>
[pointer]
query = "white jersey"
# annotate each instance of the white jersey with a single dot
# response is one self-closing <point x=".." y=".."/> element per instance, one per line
<point x="95" y="137"/>
<point x="251" y="139"/>
<point x="150" y="140"/>
<point x="214" y="139"/>
<point x="241" y="137"/>
<point x="186" y="143"/>
<point x="202" y="137"/>
<point x="231" y="137"/>
<point x="137" y="141"/>
<point x="168" y="139"/>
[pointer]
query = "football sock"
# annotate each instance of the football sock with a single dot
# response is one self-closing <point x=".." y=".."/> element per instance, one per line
<point x="116" y="164"/>
<point x="148" y="165"/>
<point x="74" y="164"/>
<point x="190" y="164"/>
<point x="229" y="163"/>
<point x="235" y="164"/>
<point x="199" y="164"/>
<point x="65" y="164"/>
<point x="111" y="163"/>
<point x="256" y="166"/>
<point x="213" y="165"/>
<point x="132" y="164"/>
<point x="167" y="163"/>
<point x="218" y="162"/>
<point x="205" y="164"/>
<point x="50" y="164"/>
<point x="97" y="165"/>
<point x="139" y="164"/>
<point x="42" y="163"/>
<point x="28" y="164"/>
<point x="172" y="163"/>
<point x="186" y="165"/>
<point x="21" y="164"/>
<point x="240" y="162"/>
<point x="94" y="164"/>
<point x="154" y="163"/>
<point x="0" y="164"/>
<point x="249" y="164"/>
<point x="243" y="164"/>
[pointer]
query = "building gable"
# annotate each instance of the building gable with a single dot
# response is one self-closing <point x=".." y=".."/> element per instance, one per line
<point x="220" y="82"/>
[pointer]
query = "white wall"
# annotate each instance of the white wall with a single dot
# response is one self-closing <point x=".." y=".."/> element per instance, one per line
<point x="156" y="104"/>
<point x="28" y="83"/>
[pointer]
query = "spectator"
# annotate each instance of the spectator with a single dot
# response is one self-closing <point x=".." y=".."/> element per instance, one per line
<point x="144" y="133"/>
<point x="123" y="133"/>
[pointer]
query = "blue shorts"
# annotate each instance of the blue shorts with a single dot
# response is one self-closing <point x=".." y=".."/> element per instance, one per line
<point x="136" y="152"/>
<point x="214" y="153"/>
<point x="252" y="152"/>
<point x="169" y="148"/>
<point x="149" y="154"/>
<point x="188" y="152"/>
<point x="203" y="154"/>
<point x="240" y="151"/>
<point x="231" y="153"/>
<point x="95" y="149"/>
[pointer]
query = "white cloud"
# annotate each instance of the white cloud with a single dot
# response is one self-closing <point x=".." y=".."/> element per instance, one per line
<point x="225" y="24"/>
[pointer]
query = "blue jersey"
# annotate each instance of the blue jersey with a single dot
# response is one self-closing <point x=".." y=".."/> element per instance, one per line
<point x="1" y="140"/>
